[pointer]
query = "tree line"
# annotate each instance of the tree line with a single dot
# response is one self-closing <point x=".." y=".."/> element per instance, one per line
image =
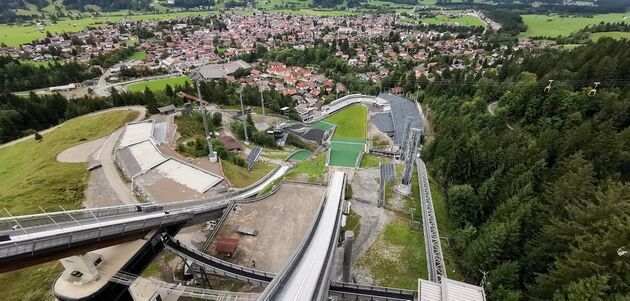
<point x="538" y="193"/>
<point x="18" y="76"/>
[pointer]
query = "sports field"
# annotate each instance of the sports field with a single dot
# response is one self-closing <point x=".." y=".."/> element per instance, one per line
<point x="159" y="84"/>
<point x="349" y="138"/>
<point x="555" y="25"/>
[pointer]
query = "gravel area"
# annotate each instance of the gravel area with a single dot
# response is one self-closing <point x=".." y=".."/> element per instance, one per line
<point x="373" y="220"/>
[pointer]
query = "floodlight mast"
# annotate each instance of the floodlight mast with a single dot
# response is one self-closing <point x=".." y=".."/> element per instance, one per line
<point x="197" y="77"/>
<point x="243" y="113"/>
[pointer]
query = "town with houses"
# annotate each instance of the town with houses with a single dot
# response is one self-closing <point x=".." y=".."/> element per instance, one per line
<point x="181" y="46"/>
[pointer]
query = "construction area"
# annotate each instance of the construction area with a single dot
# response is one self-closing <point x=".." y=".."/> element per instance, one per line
<point x="275" y="226"/>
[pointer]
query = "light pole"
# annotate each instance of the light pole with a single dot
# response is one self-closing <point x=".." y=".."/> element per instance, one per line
<point x="211" y="154"/>
<point x="262" y="101"/>
<point x="243" y="113"/>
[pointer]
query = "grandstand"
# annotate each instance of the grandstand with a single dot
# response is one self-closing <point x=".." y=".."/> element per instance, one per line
<point x="393" y="122"/>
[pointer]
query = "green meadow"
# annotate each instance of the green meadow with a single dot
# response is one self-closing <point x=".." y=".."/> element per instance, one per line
<point x="14" y="35"/>
<point x="158" y="84"/>
<point x="555" y="25"/>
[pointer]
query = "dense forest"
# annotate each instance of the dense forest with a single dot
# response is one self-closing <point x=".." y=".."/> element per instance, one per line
<point x="537" y="192"/>
<point x="108" y="5"/>
<point x="17" y="76"/>
<point x="193" y="3"/>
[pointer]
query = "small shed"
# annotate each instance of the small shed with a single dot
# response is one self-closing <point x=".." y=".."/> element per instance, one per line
<point x="230" y="143"/>
<point x="167" y="109"/>
<point x="226" y="246"/>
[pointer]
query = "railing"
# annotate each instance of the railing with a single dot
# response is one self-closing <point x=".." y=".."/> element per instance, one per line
<point x="94" y="232"/>
<point x="435" y="259"/>
<point x="218" y="266"/>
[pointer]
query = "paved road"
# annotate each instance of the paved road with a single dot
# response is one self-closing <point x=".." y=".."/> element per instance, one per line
<point x="492" y="108"/>
<point x="106" y="157"/>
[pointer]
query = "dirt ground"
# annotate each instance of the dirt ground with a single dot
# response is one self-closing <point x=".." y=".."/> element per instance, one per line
<point x="281" y="220"/>
<point x="373" y="132"/>
<point x="165" y="190"/>
<point x="373" y="220"/>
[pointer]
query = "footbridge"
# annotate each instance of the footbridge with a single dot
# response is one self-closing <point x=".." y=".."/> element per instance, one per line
<point x="33" y="239"/>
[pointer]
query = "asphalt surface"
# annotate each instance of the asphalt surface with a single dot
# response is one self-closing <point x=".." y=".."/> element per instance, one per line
<point x="106" y="156"/>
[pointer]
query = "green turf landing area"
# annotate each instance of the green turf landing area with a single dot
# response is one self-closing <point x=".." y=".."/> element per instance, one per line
<point x="344" y="153"/>
<point x="349" y="138"/>
<point x="300" y="155"/>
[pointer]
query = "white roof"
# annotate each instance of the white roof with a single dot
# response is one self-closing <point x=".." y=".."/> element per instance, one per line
<point x="136" y="132"/>
<point x="449" y="290"/>
<point x="188" y="176"/>
<point x="146" y="155"/>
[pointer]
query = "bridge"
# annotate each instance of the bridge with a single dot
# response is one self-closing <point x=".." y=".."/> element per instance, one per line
<point x="33" y="239"/>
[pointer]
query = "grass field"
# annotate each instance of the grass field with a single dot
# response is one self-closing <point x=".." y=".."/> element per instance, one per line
<point x="31" y="176"/>
<point x="397" y="257"/>
<point x="14" y="35"/>
<point x="241" y="177"/>
<point x="617" y="35"/>
<point x="555" y="25"/>
<point x="311" y="170"/>
<point x="350" y="122"/>
<point x="138" y="56"/>
<point x="441" y="19"/>
<point x="372" y="161"/>
<point x="158" y="84"/>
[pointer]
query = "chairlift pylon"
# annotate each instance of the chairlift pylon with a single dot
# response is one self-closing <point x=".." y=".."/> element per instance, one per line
<point x="593" y="91"/>
<point x="548" y="87"/>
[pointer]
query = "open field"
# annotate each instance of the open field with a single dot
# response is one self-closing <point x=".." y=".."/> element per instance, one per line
<point x="350" y="122"/>
<point x="397" y="257"/>
<point x="159" y="84"/>
<point x="372" y="161"/>
<point x="555" y="25"/>
<point x="311" y="169"/>
<point x="617" y="35"/>
<point x="241" y="177"/>
<point x="31" y="177"/>
<point x="138" y="56"/>
<point x="327" y="13"/>
<point x="14" y="35"/>
<point x="441" y="19"/>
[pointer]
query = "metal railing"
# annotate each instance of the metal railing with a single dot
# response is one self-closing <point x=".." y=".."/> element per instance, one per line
<point x="435" y="259"/>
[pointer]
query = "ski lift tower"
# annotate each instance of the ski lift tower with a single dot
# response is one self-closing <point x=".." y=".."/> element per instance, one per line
<point x="196" y="77"/>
